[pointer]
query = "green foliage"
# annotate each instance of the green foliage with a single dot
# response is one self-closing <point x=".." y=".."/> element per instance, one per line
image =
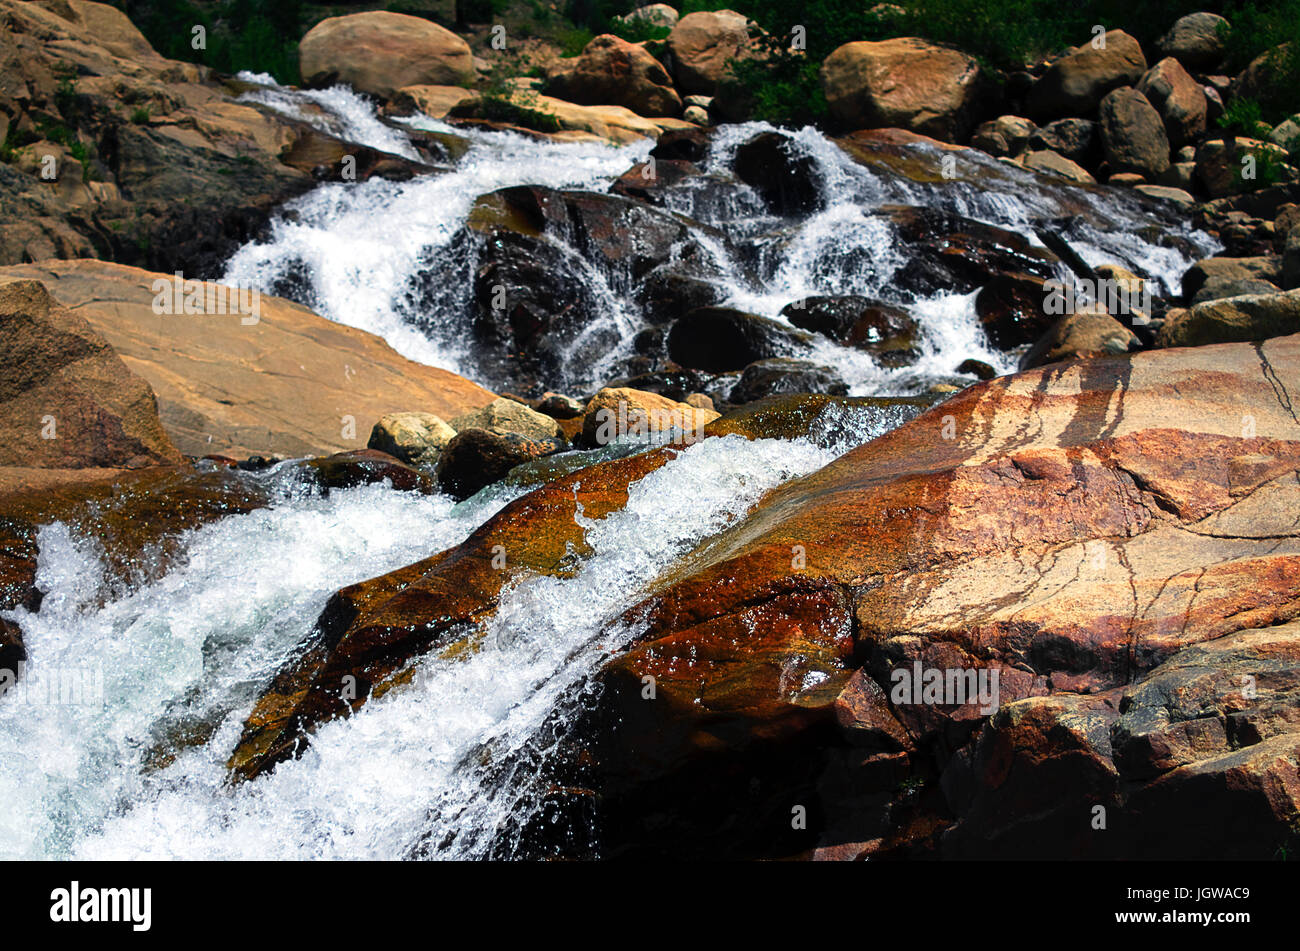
<point x="1244" y="117"/>
<point x="257" y="35"/>
<point x="572" y="42"/>
<point x="501" y="99"/>
<point x="140" y="116"/>
<point x="1272" y="28"/>
<point x="639" y="31"/>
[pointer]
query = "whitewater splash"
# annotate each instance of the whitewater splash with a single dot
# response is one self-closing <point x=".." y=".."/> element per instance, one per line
<point x="395" y="258"/>
<point x="141" y="774"/>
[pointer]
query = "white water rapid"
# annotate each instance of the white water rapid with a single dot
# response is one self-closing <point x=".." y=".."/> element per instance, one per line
<point x="392" y="257"/>
<point x="84" y="781"/>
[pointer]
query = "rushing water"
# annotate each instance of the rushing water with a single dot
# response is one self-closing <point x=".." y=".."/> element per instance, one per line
<point x="439" y="767"/>
<point x="395" y="258"/>
<point x="84" y="780"/>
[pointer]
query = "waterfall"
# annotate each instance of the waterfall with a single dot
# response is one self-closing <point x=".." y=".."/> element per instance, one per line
<point x="394" y="258"/>
<point x="428" y="762"/>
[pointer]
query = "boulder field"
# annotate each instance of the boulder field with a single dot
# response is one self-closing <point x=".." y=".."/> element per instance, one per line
<point x="1093" y="532"/>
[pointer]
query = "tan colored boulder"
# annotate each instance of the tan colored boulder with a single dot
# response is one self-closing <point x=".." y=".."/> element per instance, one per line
<point x="66" y="398"/>
<point x="1195" y="41"/>
<point x="1081" y="335"/>
<point x="1250" y="317"/>
<point x="1178" y="98"/>
<point x="414" y="438"/>
<point x="1221" y="163"/>
<point x="906" y="82"/>
<point x="1005" y="135"/>
<point x="504" y="415"/>
<point x="1075" y="84"/>
<point x="1050" y="163"/>
<point x="622" y="411"/>
<point x="380" y="52"/>
<point x="433" y="101"/>
<point x="1133" y="134"/>
<point x="612" y="71"/>
<point x="701" y="46"/>
<point x="291" y="384"/>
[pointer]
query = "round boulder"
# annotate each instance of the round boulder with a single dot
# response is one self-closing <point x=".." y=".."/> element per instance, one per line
<point x="906" y="83"/>
<point x="613" y="71"/>
<point x="1195" y="41"/>
<point x="703" y="44"/>
<point x="1133" y="134"/>
<point x="379" y="53"/>
<point x="1076" y="83"/>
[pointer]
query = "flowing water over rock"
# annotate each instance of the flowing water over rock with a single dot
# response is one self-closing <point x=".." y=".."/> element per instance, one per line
<point x="395" y="258"/>
<point x="432" y="769"/>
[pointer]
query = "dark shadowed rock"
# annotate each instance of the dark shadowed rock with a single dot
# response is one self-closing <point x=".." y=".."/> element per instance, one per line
<point x="718" y="339"/>
<point x="771" y="164"/>
<point x="782" y="375"/>
<point x="476" y="458"/>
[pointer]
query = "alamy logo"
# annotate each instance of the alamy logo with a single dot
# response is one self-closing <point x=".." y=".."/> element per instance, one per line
<point x="103" y="905"/>
<point x="176" y="295"/>
<point x="1116" y="298"/>
<point x="947" y="687"/>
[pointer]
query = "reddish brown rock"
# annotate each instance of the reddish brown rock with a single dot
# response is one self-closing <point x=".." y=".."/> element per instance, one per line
<point x="68" y="401"/>
<point x="613" y="71"/>
<point x="371" y="630"/>
<point x="1069" y="532"/>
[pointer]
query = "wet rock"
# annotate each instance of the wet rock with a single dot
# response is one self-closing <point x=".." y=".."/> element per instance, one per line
<point x="682" y="145"/>
<point x="559" y="406"/>
<point x="977" y="368"/>
<point x="345" y="470"/>
<point x="785" y="178"/>
<point x="1233" y="319"/>
<point x="678" y="287"/>
<point x="718" y="339"/>
<point x="379" y="52"/>
<point x="69" y="401"/>
<point x="370" y="630"/>
<point x="1081" y="335"/>
<point x="817" y="415"/>
<point x="476" y="458"/>
<point x="883" y="329"/>
<point x="754" y="644"/>
<point x="1012" y="308"/>
<point x="1194" y="41"/>
<point x="612" y="70"/>
<point x="620" y="411"/>
<point x="907" y="83"/>
<point x="414" y="438"/>
<point x="1133" y="134"/>
<point x="946" y="252"/>
<point x="12" y="650"/>
<point x="1178" y="98"/>
<point x="781" y="375"/>
<point x="648" y="181"/>
<point x="1075" y="84"/>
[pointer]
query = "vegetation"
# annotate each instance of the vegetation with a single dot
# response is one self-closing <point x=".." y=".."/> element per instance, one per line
<point x="257" y="35"/>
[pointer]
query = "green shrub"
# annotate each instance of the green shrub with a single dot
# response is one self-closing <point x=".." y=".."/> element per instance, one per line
<point x="1244" y="117"/>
